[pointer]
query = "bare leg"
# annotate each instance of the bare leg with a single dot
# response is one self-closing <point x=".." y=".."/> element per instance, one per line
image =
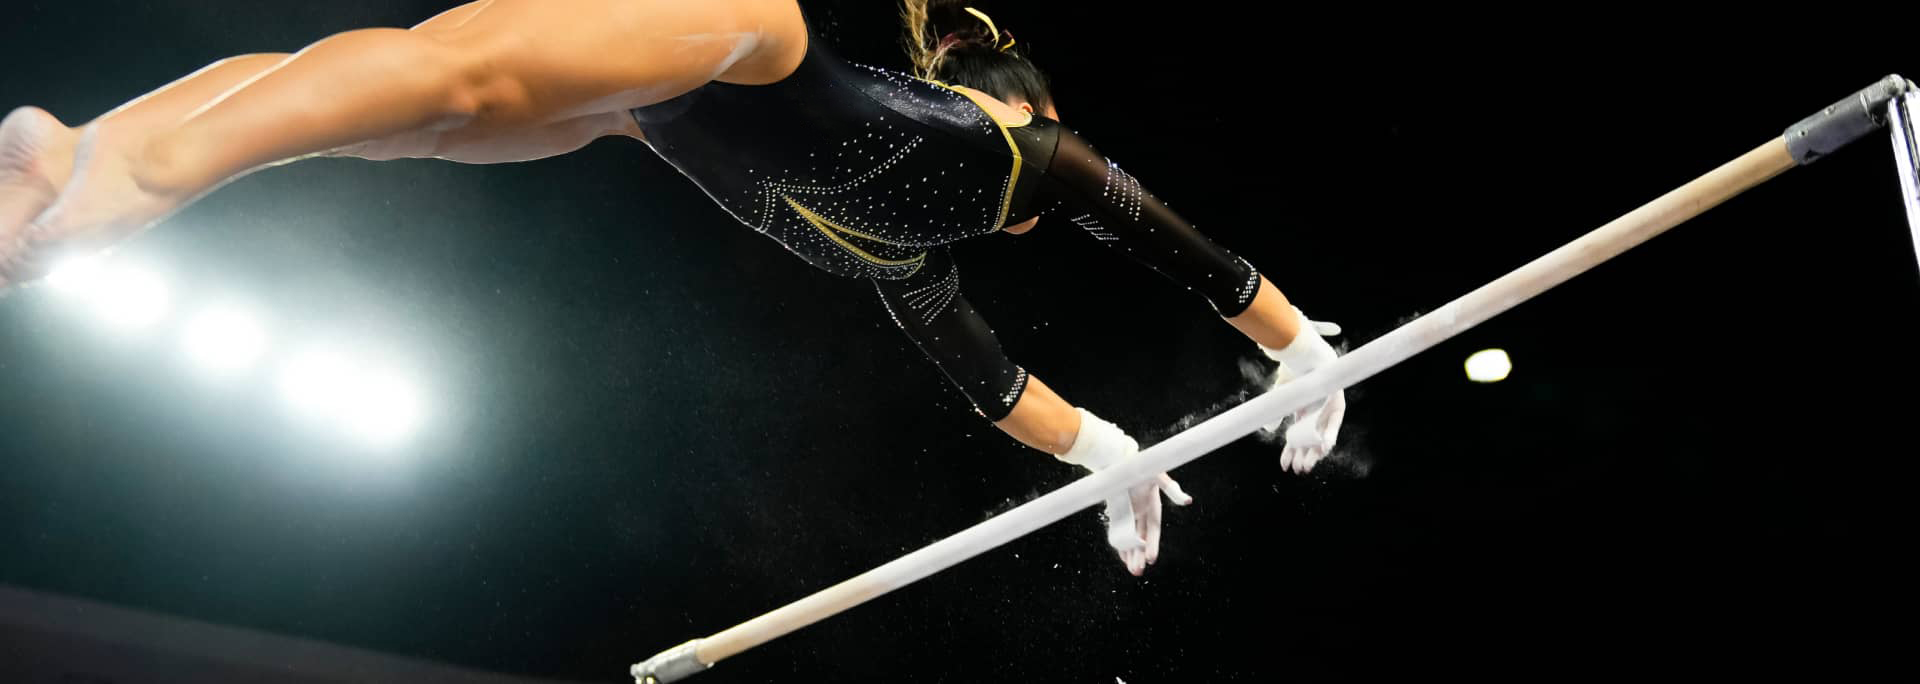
<point x="491" y="147"/>
<point x="51" y="143"/>
<point x="172" y="104"/>
<point x="515" y="64"/>
<point x="37" y="150"/>
<point x="545" y="67"/>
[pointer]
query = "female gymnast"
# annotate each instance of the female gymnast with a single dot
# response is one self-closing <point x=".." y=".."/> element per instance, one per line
<point x="863" y="172"/>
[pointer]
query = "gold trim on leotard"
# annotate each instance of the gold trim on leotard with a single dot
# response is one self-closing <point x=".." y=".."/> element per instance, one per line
<point x="833" y="230"/>
<point x="1013" y="177"/>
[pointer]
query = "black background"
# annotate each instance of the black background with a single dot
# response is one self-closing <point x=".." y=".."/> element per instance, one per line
<point x="650" y="424"/>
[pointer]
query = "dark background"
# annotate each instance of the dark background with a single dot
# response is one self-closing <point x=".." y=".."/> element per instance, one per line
<point x="650" y="424"/>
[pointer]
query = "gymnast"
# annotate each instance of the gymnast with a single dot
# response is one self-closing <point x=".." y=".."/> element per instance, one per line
<point x="861" y="171"/>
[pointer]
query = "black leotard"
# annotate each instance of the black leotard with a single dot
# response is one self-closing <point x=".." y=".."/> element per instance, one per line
<point x="868" y="173"/>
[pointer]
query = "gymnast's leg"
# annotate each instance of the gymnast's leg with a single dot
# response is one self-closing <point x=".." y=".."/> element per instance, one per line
<point x="501" y="65"/>
<point x="36" y="149"/>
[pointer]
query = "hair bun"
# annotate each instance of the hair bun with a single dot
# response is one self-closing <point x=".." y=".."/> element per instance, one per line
<point x="963" y="20"/>
<point x="935" y="27"/>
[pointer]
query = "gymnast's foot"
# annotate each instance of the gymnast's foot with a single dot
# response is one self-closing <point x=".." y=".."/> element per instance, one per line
<point x="36" y="156"/>
<point x="96" y="199"/>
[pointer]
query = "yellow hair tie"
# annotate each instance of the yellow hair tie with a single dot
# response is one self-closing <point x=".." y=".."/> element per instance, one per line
<point x="995" y="29"/>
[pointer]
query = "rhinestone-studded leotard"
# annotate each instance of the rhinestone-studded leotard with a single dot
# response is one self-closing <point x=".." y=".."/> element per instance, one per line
<point x="857" y="170"/>
<point x="868" y="173"/>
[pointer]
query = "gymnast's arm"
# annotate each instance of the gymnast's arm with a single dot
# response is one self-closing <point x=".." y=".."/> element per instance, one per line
<point x="1113" y="207"/>
<point x="930" y="309"/>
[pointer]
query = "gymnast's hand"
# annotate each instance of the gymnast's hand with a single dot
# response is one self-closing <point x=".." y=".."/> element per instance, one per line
<point x="1313" y="430"/>
<point x="1133" y="516"/>
<point x="1134" y="529"/>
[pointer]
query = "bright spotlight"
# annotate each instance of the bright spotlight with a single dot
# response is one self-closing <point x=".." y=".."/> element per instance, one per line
<point x="369" y="404"/>
<point x="317" y="383"/>
<point x="225" y="340"/>
<point x="129" y="298"/>
<point x="76" y="275"/>
<point x="385" y="409"/>
<point x="1491" y="365"/>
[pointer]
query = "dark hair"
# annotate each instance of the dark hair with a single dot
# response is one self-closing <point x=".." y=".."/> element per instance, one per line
<point x="951" y="43"/>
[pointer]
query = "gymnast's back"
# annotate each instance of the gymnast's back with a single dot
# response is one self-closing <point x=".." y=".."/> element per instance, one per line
<point x="856" y="169"/>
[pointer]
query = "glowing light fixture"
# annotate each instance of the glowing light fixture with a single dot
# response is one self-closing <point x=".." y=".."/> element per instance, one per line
<point x="129" y="298"/>
<point x="225" y="340"/>
<point x="1491" y="365"/>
